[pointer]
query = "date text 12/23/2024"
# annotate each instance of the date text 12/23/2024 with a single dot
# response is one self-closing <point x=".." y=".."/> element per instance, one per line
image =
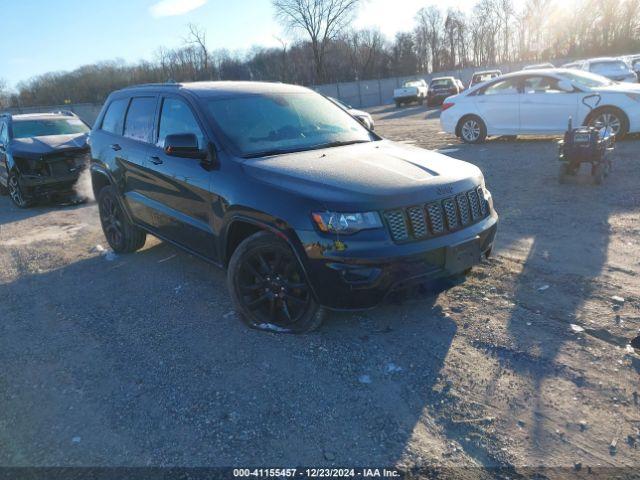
<point x="316" y="472"/>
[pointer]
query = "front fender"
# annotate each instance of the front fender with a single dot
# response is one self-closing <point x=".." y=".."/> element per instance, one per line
<point x="278" y="227"/>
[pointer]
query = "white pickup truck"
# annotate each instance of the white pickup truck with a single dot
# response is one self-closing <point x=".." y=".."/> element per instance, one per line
<point x="413" y="91"/>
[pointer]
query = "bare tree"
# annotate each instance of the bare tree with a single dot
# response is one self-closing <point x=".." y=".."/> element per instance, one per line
<point x="322" y="20"/>
<point x="430" y="23"/>
<point x="197" y="37"/>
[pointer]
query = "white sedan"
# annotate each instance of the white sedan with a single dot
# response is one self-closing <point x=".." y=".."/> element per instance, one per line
<point x="540" y="102"/>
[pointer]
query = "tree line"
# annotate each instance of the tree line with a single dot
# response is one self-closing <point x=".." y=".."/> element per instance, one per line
<point x="323" y="48"/>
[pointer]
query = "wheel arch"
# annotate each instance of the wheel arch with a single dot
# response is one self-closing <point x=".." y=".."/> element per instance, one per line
<point x="99" y="179"/>
<point x="600" y="108"/>
<point x="240" y="227"/>
<point x="463" y="118"/>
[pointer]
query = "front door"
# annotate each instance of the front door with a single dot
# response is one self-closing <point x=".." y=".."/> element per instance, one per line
<point x="545" y="108"/>
<point x="499" y="107"/>
<point x="181" y="185"/>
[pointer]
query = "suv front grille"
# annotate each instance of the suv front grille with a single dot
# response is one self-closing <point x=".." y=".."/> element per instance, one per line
<point x="437" y="218"/>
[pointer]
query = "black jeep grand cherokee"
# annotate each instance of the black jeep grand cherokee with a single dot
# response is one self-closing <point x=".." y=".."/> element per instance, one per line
<point x="304" y="206"/>
<point x="41" y="154"/>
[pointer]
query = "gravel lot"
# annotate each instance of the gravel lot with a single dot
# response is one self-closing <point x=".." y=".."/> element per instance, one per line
<point x="139" y="360"/>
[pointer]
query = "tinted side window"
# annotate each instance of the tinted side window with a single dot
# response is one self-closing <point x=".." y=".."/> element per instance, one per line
<point x="139" y="122"/>
<point x="533" y="85"/>
<point x="114" y="118"/>
<point x="3" y="133"/>
<point x="177" y="117"/>
<point x="504" y="87"/>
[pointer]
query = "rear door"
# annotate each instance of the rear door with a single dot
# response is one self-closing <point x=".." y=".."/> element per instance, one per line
<point x="544" y="108"/>
<point x="181" y="185"/>
<point x="499" y="106"/>
<point x="136" y="143"/>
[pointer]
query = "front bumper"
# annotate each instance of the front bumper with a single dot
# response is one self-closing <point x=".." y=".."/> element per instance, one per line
<point x="44" y="185"/>
<point x="359" y="274"/>
<point x="407" y="98"/>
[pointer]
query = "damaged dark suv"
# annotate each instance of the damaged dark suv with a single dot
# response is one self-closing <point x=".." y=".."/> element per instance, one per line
<point x="41" y="154"/>
<point x="305" y="207"/>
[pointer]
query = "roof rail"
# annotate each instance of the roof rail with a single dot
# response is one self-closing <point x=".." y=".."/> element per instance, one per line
<point x="163" y="84"/>
<point x="66" y="113"/>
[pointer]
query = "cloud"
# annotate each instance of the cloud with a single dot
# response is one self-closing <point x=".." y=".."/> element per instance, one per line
<point x="170" y="8"/>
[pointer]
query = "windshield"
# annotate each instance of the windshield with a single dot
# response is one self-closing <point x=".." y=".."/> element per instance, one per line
<point x="49" y="126"/>
<point x="483" y="77"/>
<point x="258" y="125"/>
<point x="609" y="65"/>
<point x="586" y="79"/>
<point x="412" y="84"/>
<point x="443" y="82"/>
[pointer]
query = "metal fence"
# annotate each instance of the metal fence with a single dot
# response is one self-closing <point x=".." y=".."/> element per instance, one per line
<point x="371" y="93"/>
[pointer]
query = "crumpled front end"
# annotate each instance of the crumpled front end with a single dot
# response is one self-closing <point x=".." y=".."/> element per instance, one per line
<point x="54" y="172"/>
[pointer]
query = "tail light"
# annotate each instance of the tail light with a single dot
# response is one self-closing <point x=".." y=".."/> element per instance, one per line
<point x="447" y="105"/>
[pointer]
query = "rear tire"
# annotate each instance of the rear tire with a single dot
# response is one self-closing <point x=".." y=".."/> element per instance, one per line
<point x="122" y="235"/>
<point x="472" y="129"/>
<point x="269" y="289"/>
<point x="612" y="117"/>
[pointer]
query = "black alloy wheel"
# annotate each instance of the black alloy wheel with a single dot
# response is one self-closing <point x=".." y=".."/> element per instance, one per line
<point x="269" y="287"/>
<point x="122" y="235"/>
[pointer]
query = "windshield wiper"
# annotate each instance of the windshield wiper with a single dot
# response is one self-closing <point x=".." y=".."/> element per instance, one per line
<point x="268" y="153"/>
<point x="338" y="143"/>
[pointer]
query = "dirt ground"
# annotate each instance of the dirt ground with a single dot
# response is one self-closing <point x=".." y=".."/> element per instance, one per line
<point x="139" y="360"/>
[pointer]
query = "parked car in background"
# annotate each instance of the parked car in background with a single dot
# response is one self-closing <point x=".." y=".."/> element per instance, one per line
<point x="41" y="154"/>
<point x="441" y="88"/>
<point x="634" y="63"/>
<point x="538" y="66"/>
<point x="577" y="65"/>
<point x="302" y="205"/>
<point x="479" y="77"/>
<point x="364" y="117"/>
<point x="413" y="91"/>
<point x="612" y="68"/>
<point x="539" y="102"/>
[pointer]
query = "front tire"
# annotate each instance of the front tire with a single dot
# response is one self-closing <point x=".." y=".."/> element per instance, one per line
<point x="268" y="287"/>
<point x="122" y="235"/>
<point x="472" y="130"/>
<point x="18" y="194"/>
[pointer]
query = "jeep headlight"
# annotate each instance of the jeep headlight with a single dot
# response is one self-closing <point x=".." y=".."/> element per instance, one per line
<point x="346" y="223"/>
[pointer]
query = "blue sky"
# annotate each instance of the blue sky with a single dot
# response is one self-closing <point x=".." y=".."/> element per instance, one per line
<point x="43" y="35"/>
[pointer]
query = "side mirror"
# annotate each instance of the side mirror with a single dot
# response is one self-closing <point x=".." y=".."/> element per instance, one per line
<point x="566" y="86"/>
<point x="183" y="145"/>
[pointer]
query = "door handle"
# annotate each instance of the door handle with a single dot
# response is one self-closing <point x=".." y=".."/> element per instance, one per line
<point x="155" y="160"/>
<point x="116" y="147"/>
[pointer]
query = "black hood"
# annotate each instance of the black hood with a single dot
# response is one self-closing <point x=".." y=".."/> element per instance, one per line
<point x="378" y="173"/>
<point x="36" y="146"/>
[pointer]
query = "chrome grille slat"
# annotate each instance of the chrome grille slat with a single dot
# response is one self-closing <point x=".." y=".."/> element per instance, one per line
<point x="474" y="202"/>
<point x="484" y="206"/>
<point x="418" y="223"/>
<point x="437" y="218"/>
<point x="463" y="208"/>
<point x="397" y="224"/>
<point x="450" y="213"/>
